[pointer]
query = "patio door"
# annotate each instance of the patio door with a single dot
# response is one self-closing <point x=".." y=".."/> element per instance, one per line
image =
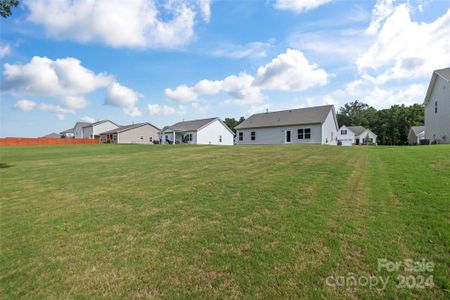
<point x="288" y="136"/>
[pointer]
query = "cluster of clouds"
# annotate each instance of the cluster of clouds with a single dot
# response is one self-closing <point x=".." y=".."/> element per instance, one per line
<point x="118" y="23"/>
<point x="67" y="81"/>
<point x="289" y="71"/>
<point x="299" y="6"/>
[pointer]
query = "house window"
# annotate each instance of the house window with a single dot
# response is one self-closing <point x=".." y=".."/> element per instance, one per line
<point x="307" y="133"/>
<point x="150" y="139"/>
<point x="300" y="134"/>
<point x="142" y="137"/>
<point x="190" y="137"/>
<point x="241" y="136"/>
<point x="220" y="139"/>
<point x="253" y="135"/>
<point x="344" y="131"/>
<point x="435" y="107"/>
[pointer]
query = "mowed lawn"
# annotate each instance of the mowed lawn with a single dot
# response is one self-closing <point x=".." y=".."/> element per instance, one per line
<point x="129" y="221"/>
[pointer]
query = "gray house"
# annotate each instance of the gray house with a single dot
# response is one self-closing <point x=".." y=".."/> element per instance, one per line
<point x="311" y="125"/>
<point x="93" y="130"/>
<point x="416" y="134"/>
<point x="437" y="108"/>
<point x="141" y="133"/>
<point x="78" y="129"/>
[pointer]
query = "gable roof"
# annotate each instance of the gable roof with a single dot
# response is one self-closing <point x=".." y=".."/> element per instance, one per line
<point x="128" y="127"/>
<point x="82" y="124"/>
<point x="417" y="129"/>
<point x="192" y="125"/>
<point x="308" y="115"/>
<point x="70" y="130"/>
<point x="52" y="135"/>
<point x="357" y="129"/>
<point x="442" y="73"/>
<point x="98" y="123"/>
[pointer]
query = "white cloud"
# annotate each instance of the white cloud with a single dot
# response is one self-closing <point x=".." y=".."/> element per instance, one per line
<point x="182" y="93"/>
<point x="405" y="49"/>
<point x="57" y="78"/>
<point x="381" y="10"/>
<point x="118" y="23"/>
<point x="121" y="96"/>
<point x="88" y="119"/>
<point x="255" y="109"/>
<point x="299" y="6"/>
<point x="251" y="50"/>
<point x="25" y="105"/>
<point x="68" y="81"/>
<point x="163" y="110"/>
<point x="4" y="50"/>
<point x="290" y="71"/>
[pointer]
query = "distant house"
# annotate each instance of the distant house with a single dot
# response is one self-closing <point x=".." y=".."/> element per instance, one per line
<point x="437" y="108"/>
<point x="210" y="131"/>
<point x="416" y="134"/>
<point x="93" y="130"/>
<point x="141" y="133"/>
<point x="311" y="125"/>
<point x="356" y="135"/>
<point x="78" y="129"/>
<point x="52" y="135"/>
<point x="67" y="134"/>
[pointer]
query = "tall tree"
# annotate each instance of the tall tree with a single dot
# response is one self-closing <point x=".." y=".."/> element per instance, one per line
<point x="232" y="122"/>
<point x="5" y="7"/>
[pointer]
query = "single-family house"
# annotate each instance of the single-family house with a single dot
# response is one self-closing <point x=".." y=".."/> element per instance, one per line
<point x="437" y="108"/>
<point x="210" y="131"/>
<point x="141" y="133"/>
<point x="93" y="130"/>
<point x="356" y="135"/>
<point x="78" y="129"/>
<point x="310" y="125"/>
<point x="416" y="135"/>
<point x="67" y="134"/>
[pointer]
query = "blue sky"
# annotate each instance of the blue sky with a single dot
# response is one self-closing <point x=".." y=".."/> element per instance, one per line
<point x="165" y="61"/>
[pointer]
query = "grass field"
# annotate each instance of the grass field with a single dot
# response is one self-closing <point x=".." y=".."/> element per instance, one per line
<point x="129" y="221"/>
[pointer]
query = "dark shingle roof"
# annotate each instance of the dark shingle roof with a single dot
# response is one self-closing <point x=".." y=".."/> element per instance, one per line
<point x="190" y="125"/>
<point x="308" y="115"/>
<point x="417" y="129"/>
<point x="128" y="127"/>
<point x="357" y="129"/>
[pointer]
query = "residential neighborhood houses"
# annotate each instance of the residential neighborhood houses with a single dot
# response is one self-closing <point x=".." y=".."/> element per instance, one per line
<point x="356" y="135"/>
<point x="309" y="125"/>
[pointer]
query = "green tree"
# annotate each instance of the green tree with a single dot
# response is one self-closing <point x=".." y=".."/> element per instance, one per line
<point x="232" y="122"/>
<point x="5" y="7"/>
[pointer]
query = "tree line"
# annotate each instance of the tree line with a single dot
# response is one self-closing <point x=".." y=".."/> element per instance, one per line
<point x="391" y="125"/>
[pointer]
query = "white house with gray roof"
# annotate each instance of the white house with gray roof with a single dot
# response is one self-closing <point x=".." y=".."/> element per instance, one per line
<point x="437" y="108"/>
<point x="416" y="135"/>
<point x="211" y="131"/>
<point x="93" y="130"/>
<point x="311" y="125"/>
<point x="141" y="133"/>
<point x="356" y="135"/>
<point x="78" y="129"/>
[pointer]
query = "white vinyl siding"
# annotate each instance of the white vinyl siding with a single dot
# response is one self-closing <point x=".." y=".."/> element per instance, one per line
<point x="437" y="124"/>
<point x="277" y="135"/>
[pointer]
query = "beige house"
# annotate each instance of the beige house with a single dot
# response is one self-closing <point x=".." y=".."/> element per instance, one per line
<point x="141" y="133"/>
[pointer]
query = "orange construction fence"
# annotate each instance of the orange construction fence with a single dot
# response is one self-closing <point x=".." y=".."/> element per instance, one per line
<point x="9" y="141"/>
